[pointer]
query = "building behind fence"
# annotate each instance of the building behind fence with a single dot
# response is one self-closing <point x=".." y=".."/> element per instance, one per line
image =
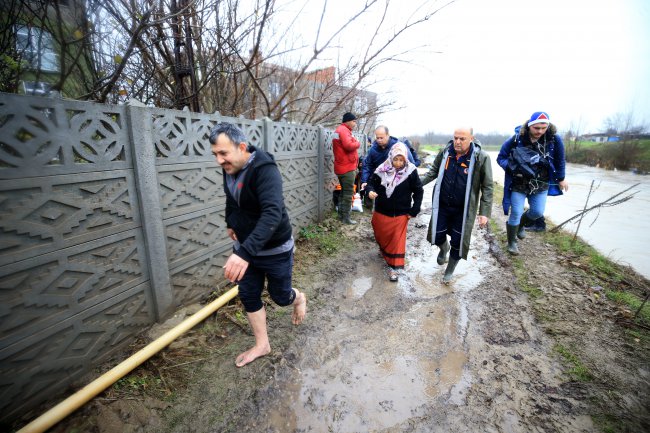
<point x="111" y="217"/>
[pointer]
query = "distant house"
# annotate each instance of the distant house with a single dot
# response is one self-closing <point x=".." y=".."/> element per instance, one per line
<point x="313" y="97"/>
<point x="602" y="137"/>
<point x="599" y="137"/>
<point x="43" y="44"/>
<point x="323" y="82"/>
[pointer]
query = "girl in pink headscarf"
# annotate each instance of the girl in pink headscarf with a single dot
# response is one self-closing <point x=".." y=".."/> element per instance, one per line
<point x="397" y="191"/>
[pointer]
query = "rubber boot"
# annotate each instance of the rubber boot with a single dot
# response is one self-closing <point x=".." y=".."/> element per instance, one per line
<point x="345" y="218"/>
<point x="442" y="255"/>
<point x="512" y="239"/>
<point x="451" y="266"/>
<point x="523" y="223"/>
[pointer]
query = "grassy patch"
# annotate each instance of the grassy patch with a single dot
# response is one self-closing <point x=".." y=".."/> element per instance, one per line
<point x="432" y="148"/>
<point x="626" y="154"/>
<point x="632" y="301"/>
<point x="583" y="253"/>
<point x="608" y="423"/>
<point x="578" y="371"/>
<point x="638" y="336"/>
<point x="521" y="273"/>
<point x="326" y="238"/>
<point x="138" y="383"/>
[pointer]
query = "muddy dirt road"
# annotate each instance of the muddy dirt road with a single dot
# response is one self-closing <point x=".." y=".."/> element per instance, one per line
<point x="418" y="355"/>
<point x="479" y="355"/>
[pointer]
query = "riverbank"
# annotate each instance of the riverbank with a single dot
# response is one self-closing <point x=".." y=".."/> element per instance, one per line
<point x="546" y="341"/>
<point x="627" y="154"/>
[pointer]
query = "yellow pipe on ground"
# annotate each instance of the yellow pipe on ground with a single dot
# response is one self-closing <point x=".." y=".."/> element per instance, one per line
<point x="81" y="397"/>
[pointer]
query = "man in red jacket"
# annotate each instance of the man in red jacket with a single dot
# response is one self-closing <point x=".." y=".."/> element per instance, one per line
<point x="346" y="160"/>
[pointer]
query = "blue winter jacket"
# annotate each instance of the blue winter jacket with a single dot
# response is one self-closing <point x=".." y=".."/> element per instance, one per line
<point x="555" y="149"/>
<point x="375" y="156"/>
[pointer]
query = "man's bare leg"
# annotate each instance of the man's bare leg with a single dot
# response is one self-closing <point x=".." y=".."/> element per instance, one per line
<point x="299" y="308"/>
<point x="262" y="346"/>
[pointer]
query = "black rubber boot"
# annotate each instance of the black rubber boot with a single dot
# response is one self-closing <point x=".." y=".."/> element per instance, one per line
<point x="442" y="255"/>
<point x="451" y="266"/>
<point x="523" y="223"/>
<point x="512" y="239"/>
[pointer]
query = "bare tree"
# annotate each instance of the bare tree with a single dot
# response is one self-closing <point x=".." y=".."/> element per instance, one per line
<point x="576" y="128"/>
<point x="625" y="152"/>
<point x="214" y="55"/>
<point x="624" y="124"/>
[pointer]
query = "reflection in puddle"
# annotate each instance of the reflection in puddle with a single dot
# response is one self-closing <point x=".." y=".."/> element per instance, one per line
<point x="360" y="286"/>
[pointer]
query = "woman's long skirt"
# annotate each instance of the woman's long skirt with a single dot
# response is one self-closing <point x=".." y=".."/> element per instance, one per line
<point x="390" y="234"/>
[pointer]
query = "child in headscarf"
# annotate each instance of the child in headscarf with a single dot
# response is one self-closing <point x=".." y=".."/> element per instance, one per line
<point x="397" y="190"/>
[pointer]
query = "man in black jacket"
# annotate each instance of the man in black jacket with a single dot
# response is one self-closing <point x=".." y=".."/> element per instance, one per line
<point x="258" y="223"/>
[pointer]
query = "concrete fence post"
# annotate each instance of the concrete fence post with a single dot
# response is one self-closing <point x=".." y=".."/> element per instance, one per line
<point x="320" y="183"/>
<point x="267" y="141"/>
<point x="144" y="164"/>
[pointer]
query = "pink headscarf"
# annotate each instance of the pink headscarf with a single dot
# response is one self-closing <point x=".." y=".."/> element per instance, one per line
<point x="390" y="177"/>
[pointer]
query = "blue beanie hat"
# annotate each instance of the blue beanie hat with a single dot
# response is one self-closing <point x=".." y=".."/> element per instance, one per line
<point x="539" y="117"/>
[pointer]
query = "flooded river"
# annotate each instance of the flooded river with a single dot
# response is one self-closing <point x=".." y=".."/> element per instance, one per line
<point x="621" y="232"/>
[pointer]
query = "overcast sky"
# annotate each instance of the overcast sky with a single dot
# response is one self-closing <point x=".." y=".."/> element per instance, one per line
<point x="491" y="63"/>
<point x="502" y="60"/>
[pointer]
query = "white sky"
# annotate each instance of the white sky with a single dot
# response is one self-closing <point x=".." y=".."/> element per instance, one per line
<point x="491" y="63"/>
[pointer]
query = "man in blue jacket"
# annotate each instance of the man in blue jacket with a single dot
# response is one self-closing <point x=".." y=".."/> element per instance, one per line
<point x="258" y="223"/>
<point x="534" y="164"/>
<point x="378" y="153"/>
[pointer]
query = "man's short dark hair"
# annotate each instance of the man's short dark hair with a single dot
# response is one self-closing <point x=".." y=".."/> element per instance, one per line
<point x="232" y="131"/>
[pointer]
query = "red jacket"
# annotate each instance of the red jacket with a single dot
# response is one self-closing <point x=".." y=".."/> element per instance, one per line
<point x="346" y="157"/>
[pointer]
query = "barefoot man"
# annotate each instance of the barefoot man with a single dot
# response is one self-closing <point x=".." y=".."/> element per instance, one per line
<point x="258" y="223"/>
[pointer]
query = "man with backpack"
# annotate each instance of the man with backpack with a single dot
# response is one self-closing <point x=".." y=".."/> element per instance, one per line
<point x="534" y="162"/>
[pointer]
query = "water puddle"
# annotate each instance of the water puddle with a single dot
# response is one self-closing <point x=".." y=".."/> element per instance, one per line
<point x="359" y="287"/>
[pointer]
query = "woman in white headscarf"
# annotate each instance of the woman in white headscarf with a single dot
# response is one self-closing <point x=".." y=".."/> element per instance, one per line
<point x="397" y="190"/>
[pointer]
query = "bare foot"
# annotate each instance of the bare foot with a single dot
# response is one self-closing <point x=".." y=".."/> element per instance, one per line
<point x="251" y="355"/>
<point x="299" y="308"/>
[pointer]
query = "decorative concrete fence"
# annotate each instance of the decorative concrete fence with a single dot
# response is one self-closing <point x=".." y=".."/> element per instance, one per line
<point x="112" y="217"/>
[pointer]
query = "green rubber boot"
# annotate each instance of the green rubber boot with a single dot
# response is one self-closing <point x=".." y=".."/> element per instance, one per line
<point x="442" y="255"/>
<point x="512" y="239"/>
<point x="451" y="266"/>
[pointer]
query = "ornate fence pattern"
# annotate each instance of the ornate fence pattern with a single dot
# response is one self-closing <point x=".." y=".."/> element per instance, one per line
<point x="110" y="218"/>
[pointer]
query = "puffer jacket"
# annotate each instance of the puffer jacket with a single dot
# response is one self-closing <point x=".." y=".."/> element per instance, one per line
<point x="346" y="150"/>
<point x="556" y="160"/>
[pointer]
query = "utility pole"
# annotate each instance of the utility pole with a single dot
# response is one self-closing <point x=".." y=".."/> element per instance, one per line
<point x="183" y="57"/>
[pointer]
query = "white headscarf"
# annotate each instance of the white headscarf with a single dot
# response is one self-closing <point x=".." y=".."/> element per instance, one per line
<point x="390" y="177"/>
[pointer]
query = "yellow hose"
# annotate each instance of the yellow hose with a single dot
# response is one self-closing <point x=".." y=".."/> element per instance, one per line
<point x="81" y="397"/>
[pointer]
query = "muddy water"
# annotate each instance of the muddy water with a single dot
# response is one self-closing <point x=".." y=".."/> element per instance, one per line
<point x="620" y="232"/>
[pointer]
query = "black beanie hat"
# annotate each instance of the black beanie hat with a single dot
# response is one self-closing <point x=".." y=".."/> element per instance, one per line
<point x="349" y="116"/>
